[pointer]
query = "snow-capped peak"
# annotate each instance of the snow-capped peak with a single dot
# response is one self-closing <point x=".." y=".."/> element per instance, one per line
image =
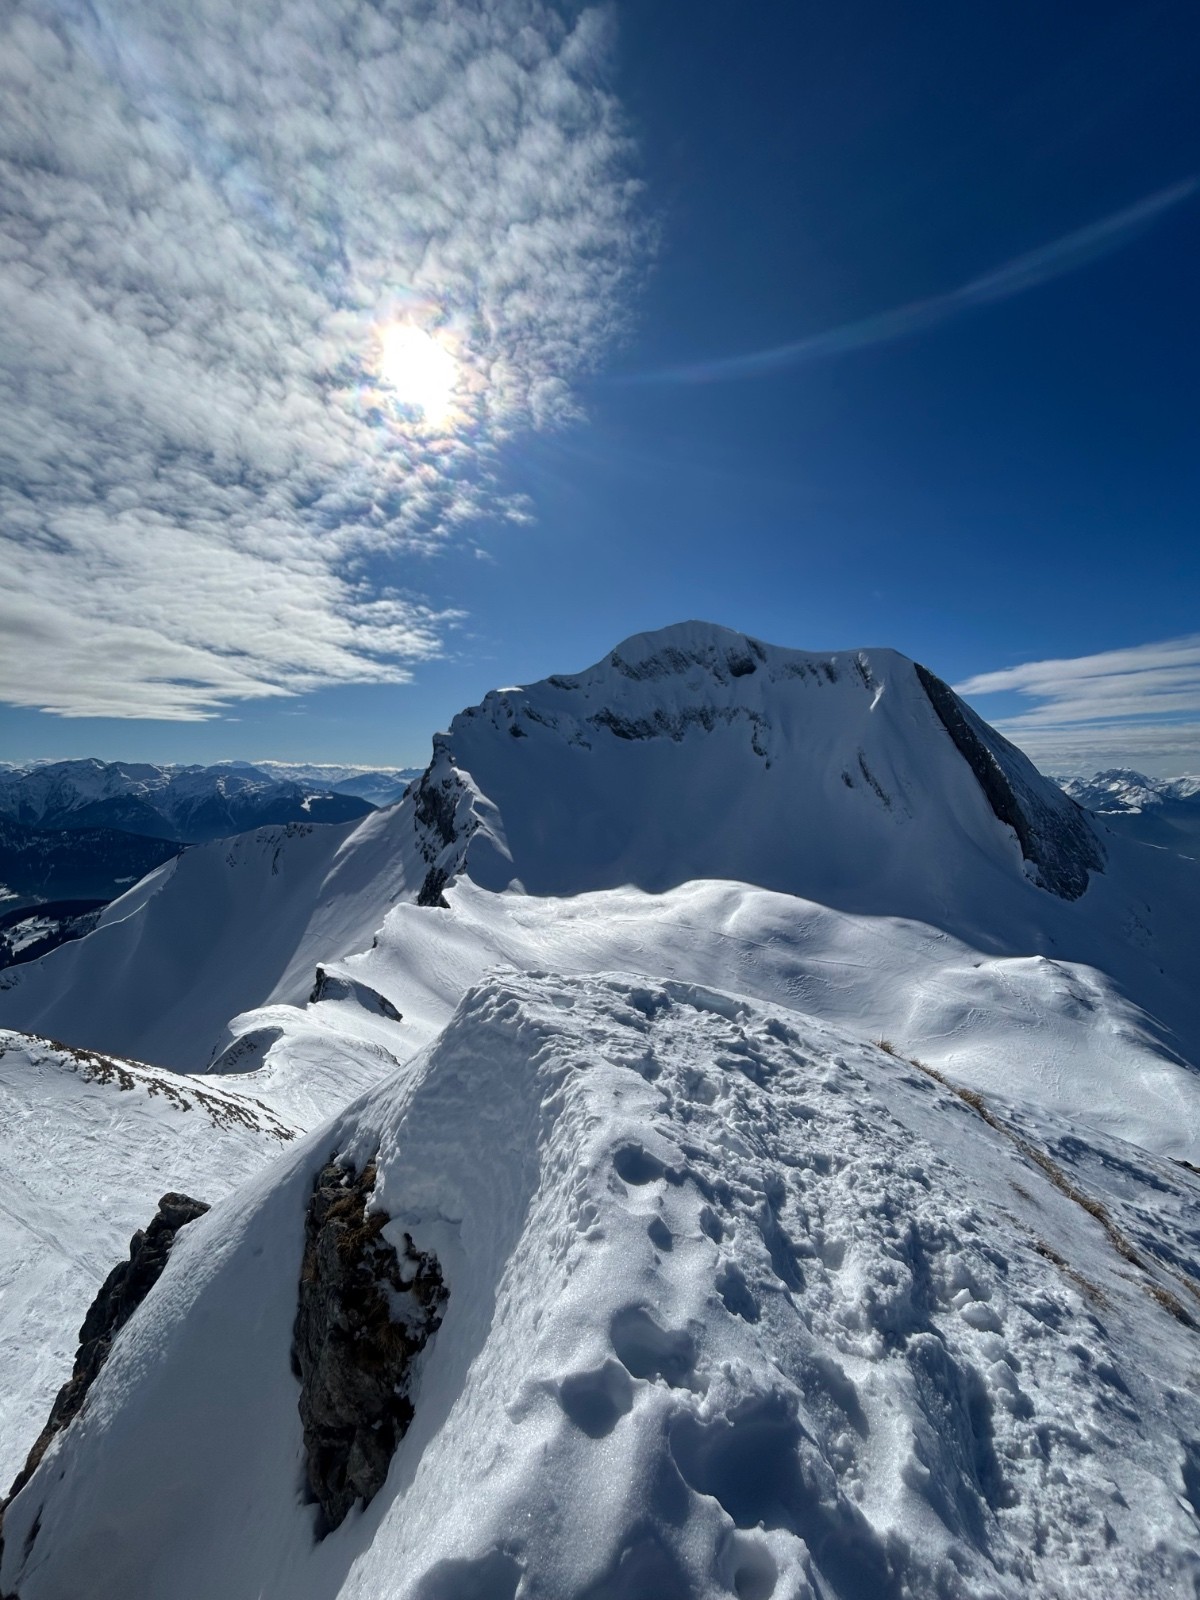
<point x="856" y="778"/>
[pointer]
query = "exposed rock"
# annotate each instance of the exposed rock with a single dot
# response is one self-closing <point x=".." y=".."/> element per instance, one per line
<point x="337" y="986"/>
<point x="1056" y="838"/>
<point x="119" y="1296"/>
<point x="430" y="893"/>
<point x="365" y="1313"/>
<point x="443" y="821"/>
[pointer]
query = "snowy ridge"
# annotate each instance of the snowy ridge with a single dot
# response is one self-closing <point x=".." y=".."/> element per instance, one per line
<point x="1056" y="841"/>
<point x="737" y="1304"/>
<point x="228" y="925"/>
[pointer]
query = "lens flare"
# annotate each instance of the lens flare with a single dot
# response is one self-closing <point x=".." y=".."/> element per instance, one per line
<point x="419" y="370"/>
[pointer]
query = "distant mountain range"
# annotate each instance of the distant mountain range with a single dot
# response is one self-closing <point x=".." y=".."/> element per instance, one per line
<point x="1158" y="811"/>
<point x="186" y="804"/>
<point x="76" y="834"/>
<point x="382" y="786"/>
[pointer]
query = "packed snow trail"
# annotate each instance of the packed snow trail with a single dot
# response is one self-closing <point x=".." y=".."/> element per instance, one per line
<point x="738" y="1304"/>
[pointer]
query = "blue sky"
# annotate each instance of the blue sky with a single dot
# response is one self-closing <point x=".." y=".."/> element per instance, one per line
<point x="224" y="531"/>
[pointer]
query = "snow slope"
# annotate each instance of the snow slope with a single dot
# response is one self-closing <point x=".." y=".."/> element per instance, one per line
<point x="224" y="927"/>
<point x="738" y="1305"/>
<point x="89" y="1144"/>
<point x="1033" y="1028"/>
<point x="688" y="755"/>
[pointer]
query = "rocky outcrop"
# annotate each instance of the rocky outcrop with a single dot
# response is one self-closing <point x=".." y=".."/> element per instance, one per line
<point x="1054" y="833"/>
<point x="365" y="1313"/>
<point x="337" y="986"/>
<point x="121" y="1293"/>
<point x="443" y="821"/>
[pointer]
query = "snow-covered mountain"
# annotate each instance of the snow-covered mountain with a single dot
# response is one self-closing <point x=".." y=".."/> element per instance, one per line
<point x="188" y="804"/>
<point x="1163" y="812"/>
<point x="729" y="1303"/>
<point x="857" y="779"/>
<point x="690" y="755"/>
<point x="755" y="1122"/>
<point x="382" y="786"/>
<point x="1120" y="790"/>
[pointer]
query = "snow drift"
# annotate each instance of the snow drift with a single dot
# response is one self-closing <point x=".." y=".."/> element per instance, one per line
<point x="737" y="1305"/>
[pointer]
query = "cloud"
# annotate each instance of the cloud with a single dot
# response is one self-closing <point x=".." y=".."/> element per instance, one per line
<point x="208" y="211"/>
<point x="1068" y="254"/>
<point x="1138" y="707"/>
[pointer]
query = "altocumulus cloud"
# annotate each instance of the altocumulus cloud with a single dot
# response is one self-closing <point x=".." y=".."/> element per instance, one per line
<point x="1139" y="705"/>
<point x="209" y="210"/>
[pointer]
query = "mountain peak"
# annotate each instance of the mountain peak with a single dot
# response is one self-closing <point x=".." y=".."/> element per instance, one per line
<point x="855" y="777"/>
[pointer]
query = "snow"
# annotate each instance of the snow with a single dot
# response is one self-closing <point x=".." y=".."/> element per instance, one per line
<point x="89" y="1145"/>
<point x="811" y="1181"/>
<point x="225" y="926"/>
<point x="901" y="905"/>
<point x="738" y="1304"/>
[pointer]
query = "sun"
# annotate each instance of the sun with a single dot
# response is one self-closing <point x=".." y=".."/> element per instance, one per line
<point x="418" y="369"/>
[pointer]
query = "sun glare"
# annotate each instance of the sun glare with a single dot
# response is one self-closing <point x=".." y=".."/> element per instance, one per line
<point x="418" y="369"/>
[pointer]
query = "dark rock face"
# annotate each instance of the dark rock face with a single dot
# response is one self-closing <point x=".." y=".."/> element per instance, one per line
<point x="435" y="803"/>
<point x="442" y="834"/>
<point x="121" y="1293"/>
<point x="1054" y="832"/>
<point x="431" y="891"/>
<point x="330" y="986"/>
<point x="364" y="1314"/>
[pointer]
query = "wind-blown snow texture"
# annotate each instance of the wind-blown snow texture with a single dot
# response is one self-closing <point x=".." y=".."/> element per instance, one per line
<point x="736" y="1305"/>
<point x="739" y="1302"/>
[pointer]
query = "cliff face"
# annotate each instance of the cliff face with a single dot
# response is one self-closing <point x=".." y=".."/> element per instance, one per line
<point x="1056" y="838"/>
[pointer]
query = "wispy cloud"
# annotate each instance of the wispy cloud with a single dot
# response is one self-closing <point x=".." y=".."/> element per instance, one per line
<point x="1068" y="254"/>
<point x="1137" y="707"/>
<point x="207" y="212"/>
